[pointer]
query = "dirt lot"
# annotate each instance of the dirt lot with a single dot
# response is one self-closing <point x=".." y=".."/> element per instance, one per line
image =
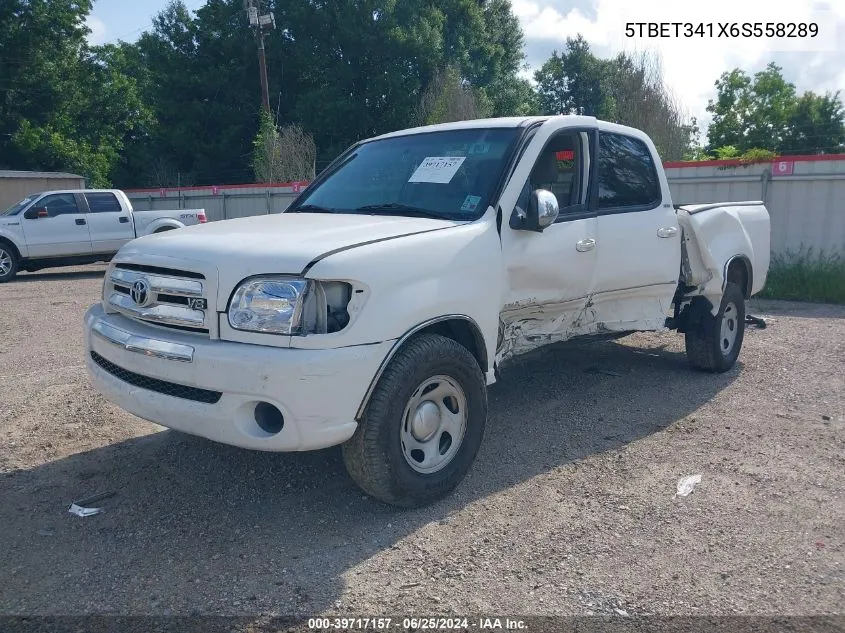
<point x="568" y="510"/>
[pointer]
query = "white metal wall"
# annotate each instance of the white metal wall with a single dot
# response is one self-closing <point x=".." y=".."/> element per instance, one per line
<point x="807" y="208"/>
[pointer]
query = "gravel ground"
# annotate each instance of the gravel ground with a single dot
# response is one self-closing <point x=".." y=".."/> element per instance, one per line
<point x="570" y="508"/>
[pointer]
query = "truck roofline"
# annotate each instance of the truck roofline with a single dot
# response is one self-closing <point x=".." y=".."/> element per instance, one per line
<point x="51" y="191"/>
<point x="515" y="123"/>
<point x="491" y="123"/>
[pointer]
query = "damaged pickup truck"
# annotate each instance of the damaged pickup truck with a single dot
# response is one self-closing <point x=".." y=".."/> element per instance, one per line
<point x="377" y="309"/>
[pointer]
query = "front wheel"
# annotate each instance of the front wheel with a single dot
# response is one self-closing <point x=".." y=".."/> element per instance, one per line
<point x="423" y="426"/>
<point x="8" y="263"/>
<point x="715" y="343"/>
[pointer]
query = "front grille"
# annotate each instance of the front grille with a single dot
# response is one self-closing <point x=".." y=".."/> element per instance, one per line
<point x="177" y="299"/>
<point x="158" y="270"/>
<point x="154" y="384"/>
<point x="161" y="298"/>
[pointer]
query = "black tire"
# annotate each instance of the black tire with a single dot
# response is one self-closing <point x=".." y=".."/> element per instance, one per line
<point x="706" y="348"/>
<point x="374" y="456"/>
<point x="8" y="263"/>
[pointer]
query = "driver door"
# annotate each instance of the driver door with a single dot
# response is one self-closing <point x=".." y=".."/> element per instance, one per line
<point x="549" y="274"/>
<point x="62" y="232"/>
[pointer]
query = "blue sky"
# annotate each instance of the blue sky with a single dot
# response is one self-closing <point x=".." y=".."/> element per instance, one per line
<point x="112" y="20"/>
<point x="691" y="66"/>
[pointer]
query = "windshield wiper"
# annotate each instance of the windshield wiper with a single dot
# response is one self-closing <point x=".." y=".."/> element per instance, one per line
<point x="312" y="208"/>
<point x="396" y="208"/>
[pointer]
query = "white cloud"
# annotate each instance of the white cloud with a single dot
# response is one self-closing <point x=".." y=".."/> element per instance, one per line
<point x="99" y="32"/>
<point x="692" y="65"/>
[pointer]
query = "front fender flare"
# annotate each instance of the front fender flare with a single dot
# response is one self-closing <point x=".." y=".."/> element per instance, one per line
<point x="479" y="338"/>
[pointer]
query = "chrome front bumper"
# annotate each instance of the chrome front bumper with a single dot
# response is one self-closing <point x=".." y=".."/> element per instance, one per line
<point x="163" y="376"/>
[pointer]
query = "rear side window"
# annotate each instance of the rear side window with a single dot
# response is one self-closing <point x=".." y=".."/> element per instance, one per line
<point x="627" y="176"/>
<point x="103" y="202"/>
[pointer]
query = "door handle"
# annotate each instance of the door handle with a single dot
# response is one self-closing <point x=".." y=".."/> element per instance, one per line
<point x="123" y="219"/>
<point x="585" y="245"/>
<point x="667" y="231"/>
<point x="80" y="222"/>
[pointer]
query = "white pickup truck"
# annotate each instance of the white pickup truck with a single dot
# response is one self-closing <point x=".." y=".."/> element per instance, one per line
<point x="377" y="309"/>
<point x="81" y="226"/>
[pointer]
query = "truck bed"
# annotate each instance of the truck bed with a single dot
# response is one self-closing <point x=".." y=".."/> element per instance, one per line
<point x="714" y="235"/>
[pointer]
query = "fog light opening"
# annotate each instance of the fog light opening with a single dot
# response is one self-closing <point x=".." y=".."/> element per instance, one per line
<point x="268" y="418"/>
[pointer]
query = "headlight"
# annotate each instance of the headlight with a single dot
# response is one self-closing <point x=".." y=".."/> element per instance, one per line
<point x="269" y="304"/>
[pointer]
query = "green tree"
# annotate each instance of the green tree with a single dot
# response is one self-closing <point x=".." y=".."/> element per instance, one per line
<point x="765" y="112"/>
<point x="816" y="124"/>
<point x="63" y="104"/>
<point x="574" y="81"/>
<point x="449" y="98"/>
<point x="282" y="155"/>
<point x="198" y="73"/>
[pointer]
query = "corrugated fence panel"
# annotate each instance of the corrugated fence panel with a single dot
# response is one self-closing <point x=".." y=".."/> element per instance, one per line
<point x="220" y="203"/>
<point x="805" y="199"/>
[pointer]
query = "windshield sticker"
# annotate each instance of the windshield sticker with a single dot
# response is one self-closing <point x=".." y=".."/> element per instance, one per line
<point x="470" y="203"/>
<point x="437" y="169"/>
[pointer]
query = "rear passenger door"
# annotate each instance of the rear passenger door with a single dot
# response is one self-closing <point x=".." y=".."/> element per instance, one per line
<point x="110" y="225"/>
<point x="639" y="241"/>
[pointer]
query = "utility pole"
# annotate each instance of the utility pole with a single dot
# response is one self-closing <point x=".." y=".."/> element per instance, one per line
<point x="260" y="22"/>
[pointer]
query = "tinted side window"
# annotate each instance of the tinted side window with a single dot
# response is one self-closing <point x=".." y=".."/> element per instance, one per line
<point x="103" y="202"/>
<point x="59" y="204"/>
<point x="558" y="170"/>
<point x="627" y="176"/>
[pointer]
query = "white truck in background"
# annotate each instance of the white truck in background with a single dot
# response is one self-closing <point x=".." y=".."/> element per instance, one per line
<point x="375" y="311"/>
<point x="81" y="226"/>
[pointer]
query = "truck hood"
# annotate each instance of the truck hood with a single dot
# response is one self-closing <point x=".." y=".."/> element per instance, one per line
<point x="282" y="243"/>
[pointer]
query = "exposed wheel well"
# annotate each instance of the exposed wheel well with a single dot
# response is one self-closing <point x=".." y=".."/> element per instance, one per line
<point x="464" y="333"/>
<point x="739" y="272"/>
<point x="164" y="228"/>
<point x="10" y="244"/>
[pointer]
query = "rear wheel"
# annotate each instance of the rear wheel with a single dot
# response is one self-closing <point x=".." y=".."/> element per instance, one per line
<point x="715" y="343"/>
<point x="423" y="425"/>
<point x="8" y="263"/>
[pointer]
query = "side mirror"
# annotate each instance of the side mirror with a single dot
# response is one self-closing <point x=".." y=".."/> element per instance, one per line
<point x="36" y="212"/>
<point x="542" y="212"/>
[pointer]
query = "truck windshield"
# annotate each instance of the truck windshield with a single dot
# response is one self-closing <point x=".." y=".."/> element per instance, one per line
<point x="449" y="175"/>
<point x="15" y="208"/>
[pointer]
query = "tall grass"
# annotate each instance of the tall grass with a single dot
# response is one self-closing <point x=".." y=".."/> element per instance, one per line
<point x="806" y="275"/>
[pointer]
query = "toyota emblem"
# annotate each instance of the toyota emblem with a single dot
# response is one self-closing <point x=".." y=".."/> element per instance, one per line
<point x="140" y="293"/>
